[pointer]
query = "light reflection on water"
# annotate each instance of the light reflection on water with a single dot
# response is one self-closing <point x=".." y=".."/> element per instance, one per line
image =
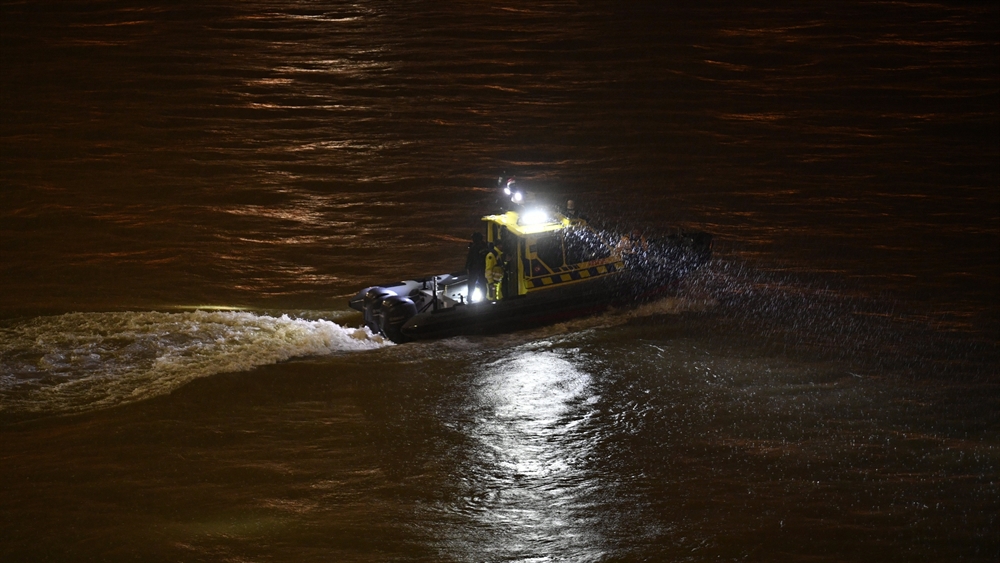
<point x="528" y="469"/>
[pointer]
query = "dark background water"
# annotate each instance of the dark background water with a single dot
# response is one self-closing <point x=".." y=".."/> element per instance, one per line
<point x="190" y="191"/>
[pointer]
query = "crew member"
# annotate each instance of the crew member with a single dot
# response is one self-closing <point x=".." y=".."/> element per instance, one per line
<point x="507" y="263"/>
<point x="475" y="264"/>
<point x="639" y="241"/>
<point x="634" y="243"/>
<point x="570" y="209"/>
<point x="494" y="273"/>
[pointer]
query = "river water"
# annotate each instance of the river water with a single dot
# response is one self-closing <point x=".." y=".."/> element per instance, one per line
<point x="190" y="191"/>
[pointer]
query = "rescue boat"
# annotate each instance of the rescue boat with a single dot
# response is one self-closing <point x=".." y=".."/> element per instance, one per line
<point x="544" y="267"/>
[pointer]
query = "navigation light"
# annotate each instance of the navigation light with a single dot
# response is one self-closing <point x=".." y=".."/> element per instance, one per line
<point x="534" y="217"/>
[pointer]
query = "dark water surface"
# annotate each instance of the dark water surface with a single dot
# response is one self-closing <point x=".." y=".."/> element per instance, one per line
<point x="189" y="192"/>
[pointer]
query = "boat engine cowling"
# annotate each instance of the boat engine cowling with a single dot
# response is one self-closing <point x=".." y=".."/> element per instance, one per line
<point x="373" y="307"/>
<point x="396" y="310"/>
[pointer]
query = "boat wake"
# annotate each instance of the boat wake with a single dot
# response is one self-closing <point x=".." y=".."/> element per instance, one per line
<point x="87" y="361"/>
<point x="609" y="319"/>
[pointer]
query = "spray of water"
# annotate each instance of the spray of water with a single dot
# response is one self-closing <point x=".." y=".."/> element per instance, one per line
<point x="85" y="361"/>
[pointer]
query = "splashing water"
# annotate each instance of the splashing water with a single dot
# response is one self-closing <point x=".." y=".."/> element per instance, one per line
<point x="86" y="361"/>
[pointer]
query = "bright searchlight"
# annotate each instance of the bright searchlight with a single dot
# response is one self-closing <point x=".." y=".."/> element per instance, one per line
<point x="477" y="296"/>
<point x="534" y="217"/>
<point x="518" y="197"/>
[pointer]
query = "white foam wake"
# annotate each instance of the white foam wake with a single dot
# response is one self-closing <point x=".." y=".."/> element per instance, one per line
<point x="86" y="361"/>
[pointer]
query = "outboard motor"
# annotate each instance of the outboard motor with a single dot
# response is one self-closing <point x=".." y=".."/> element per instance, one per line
<point x="396" y="310"/>
<point x="373" y="307"/>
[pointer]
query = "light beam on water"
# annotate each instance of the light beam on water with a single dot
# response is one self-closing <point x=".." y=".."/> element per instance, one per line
<point x="528" y="468"/>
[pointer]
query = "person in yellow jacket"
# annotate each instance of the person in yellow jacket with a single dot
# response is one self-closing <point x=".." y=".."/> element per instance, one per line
<point x="494" y="273"/>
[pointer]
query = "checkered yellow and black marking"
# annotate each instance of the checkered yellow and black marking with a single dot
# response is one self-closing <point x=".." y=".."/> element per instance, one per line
<point x="576" y="275"/>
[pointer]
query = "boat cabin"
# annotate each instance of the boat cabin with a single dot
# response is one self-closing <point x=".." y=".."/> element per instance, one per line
<point x="542" y="250"/>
